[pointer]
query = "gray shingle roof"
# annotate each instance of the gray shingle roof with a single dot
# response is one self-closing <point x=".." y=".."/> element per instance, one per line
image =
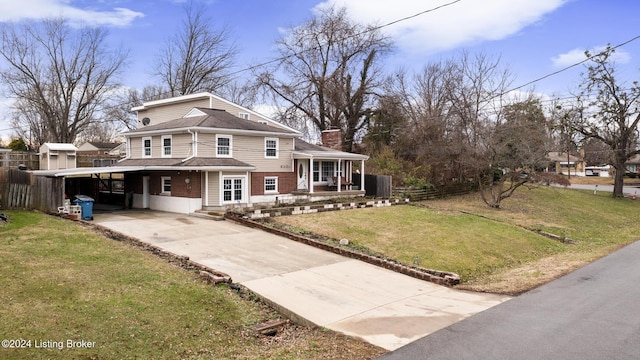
<point x="197" y="161"/>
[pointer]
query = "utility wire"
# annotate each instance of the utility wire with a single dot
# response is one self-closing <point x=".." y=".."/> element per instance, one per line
<point x="372" y="29"/>
<point x="567" y="68"/>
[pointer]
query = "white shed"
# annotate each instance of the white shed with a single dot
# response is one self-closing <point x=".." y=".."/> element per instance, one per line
<point x="55" y="156"/>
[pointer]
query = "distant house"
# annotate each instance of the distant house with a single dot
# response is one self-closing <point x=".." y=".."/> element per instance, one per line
<point x="97" y="148"/>
<point x="99" y="154"/>
<point x="56" y="156"/>
<point x="633" y="164"/>
<point x="560" y="163"/>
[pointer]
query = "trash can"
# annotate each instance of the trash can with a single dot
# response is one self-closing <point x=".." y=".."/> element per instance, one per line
<point x="86" y="205"/>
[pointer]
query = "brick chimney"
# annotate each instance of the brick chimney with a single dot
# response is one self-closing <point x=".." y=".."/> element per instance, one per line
<point x="332" y="139"/>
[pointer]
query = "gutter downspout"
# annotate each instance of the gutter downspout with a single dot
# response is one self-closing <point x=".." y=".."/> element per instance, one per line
<point x="128" y="148"/>
<point x="194" y="145"/>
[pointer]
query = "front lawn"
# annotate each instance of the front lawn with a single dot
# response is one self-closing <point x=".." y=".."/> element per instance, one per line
<point x="61" y="281"/>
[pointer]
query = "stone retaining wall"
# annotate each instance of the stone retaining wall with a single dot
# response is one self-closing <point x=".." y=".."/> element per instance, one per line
<point x="315" y="208"/>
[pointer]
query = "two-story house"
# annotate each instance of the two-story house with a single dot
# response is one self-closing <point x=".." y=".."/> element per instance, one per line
<point x="200" y="151"/>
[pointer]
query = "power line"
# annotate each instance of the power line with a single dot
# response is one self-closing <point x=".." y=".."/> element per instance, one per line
<point x="568" y="67"/>
<point x="375" y="28"/>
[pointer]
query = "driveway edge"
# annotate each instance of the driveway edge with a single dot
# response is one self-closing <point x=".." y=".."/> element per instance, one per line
<point x="210" y="275"/>
<point x="434" y="276"/>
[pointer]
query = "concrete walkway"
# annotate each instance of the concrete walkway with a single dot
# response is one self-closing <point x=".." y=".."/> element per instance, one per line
<point x="380" y="306"/>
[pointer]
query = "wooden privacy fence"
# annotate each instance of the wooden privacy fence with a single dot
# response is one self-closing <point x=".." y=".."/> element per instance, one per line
<point x="14" y="158"/>
<point x="420" y="194"/>
<point x="21" y="190"/>
<point x="377" y="186"/>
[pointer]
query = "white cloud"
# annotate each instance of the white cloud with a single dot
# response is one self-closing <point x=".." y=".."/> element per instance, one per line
<point x="38" y="9"/>
<point x="577" y="55"/>
<point x="459" y="24"/>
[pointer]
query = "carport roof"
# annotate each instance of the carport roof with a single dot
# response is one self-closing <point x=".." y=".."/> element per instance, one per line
<point x="129" y="165"/>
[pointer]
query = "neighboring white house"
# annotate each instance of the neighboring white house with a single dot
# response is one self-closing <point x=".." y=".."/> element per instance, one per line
<point x="55" y="156"/>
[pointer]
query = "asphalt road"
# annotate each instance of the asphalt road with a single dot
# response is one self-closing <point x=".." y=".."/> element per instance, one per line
<point x="627" y="189"/>
<point x="591" y="313"/>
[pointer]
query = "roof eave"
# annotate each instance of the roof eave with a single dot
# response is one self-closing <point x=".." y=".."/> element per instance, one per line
<point x="328" y="155"/>
<point x="211" y="130"/>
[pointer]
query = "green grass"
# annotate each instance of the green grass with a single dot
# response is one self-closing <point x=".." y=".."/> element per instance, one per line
<point x="61" y="281"/>
<point x="465" y="236"/>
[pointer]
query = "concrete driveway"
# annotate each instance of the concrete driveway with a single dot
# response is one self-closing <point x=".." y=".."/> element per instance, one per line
<point x="380" y="306"/>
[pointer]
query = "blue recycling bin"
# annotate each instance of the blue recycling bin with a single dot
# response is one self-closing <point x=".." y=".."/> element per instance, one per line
<point x="86" y="206"/>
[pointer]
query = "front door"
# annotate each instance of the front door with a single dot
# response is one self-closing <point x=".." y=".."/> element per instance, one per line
<point x="303" y="175"/>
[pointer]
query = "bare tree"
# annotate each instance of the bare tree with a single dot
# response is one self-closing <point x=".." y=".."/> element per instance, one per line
<point x="128" y="98"/>
<point x="517" y="147"/>
<point x="61" y="76"/>
<point x="198" y="58"/>
<point x="613" y="114"/>
<point x="328" y="71"/>
<point x="449" y="107"/>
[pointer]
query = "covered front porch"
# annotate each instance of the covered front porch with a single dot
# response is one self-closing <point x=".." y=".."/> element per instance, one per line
<point x="324" y="172"/>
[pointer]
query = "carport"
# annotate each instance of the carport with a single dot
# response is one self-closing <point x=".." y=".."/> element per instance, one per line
<point x="104" y="184"/>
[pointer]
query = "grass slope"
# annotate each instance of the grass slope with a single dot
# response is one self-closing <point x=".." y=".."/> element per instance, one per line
<point x="490" y="249"/>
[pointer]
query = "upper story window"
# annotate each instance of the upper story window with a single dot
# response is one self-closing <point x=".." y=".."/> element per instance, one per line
<point x="166" y="146"/>
<point x="243" y="115"/>
<point x="223" y="145"/>
<point x="271" y="148"/>
<point x="146" y="147"/>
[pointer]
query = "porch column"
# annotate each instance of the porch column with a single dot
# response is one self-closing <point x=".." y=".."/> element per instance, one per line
<point x="310" y="175"/>
<point x="339" y="175"/>
<point x="361" y="174"/>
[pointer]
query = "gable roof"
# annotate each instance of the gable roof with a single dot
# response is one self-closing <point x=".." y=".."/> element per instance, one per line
<point x="203" y="95"/>
<point x="562" y="157"/>
<point x="212" y="119"/>
<point x="59" y="147"/>
<point x="104" y="145"/>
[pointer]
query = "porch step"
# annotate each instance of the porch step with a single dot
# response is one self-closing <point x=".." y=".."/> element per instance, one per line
<point x="209" y="214"/>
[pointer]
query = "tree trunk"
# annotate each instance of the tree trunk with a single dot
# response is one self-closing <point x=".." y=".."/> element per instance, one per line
<point x="618" y="181"/>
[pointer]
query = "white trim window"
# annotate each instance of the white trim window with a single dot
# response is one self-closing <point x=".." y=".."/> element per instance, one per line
<point x="328" y="170"/>
<point x="243" y="115"/>
<point x="271" y="148"/>
<point x="166" y="146"/>
<point x="146" y="147"/>
<point x="232" y="189"/>
<point x="271" y="185"/>
<point x="224" y="146"/>
<point x="165" y="182"/>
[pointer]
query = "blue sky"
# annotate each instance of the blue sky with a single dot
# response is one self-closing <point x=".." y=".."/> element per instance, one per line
<point x="532" y="37"/>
